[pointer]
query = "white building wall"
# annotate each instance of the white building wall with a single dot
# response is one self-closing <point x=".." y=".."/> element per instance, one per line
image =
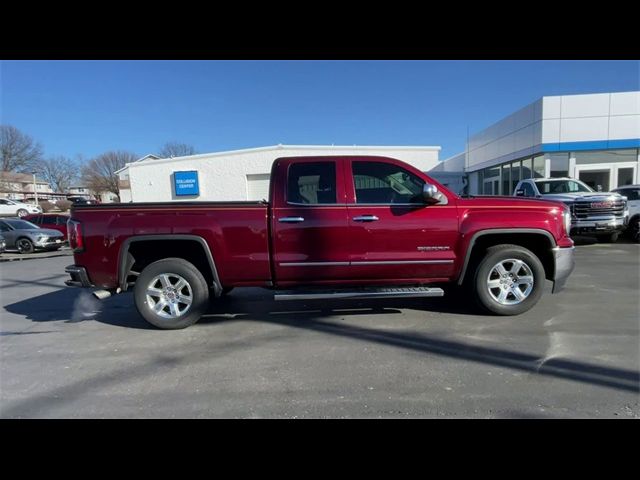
<point x="223" y="176"/>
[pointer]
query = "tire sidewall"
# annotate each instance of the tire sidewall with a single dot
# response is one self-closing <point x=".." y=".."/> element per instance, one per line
<point x="191" y="274"/>
<point x="484" y="298"/>
<point x="31" y="248"/>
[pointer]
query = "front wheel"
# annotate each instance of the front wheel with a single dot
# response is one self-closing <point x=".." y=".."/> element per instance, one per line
<point x="171" y="294"/>
<point x="22" y="212"/>
<point x="509" y="280"/>
<point x="609" y="238"/>
<point x="25" y="245"/>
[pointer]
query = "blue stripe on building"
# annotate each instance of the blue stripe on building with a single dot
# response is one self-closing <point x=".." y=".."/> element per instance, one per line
<point x="591" y="145"/>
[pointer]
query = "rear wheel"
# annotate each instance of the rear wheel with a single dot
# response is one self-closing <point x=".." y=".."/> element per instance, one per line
<point x="171" y="294"/>
<point x="509" y="280"/>
<point x="22" y="212"/>
<point x="25" y="245"/>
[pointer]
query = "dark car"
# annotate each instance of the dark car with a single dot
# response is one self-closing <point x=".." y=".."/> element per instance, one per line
<point x="54" y="221"/>
<point x="26" y="237"/>
<point x="3" y="243"/>
<point x="82" y="201"/>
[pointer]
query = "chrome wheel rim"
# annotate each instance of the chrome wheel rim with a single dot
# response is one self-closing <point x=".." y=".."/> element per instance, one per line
<point x="510" y="282"/>
<point x="22" y="213"/>
<point x="169" y="295"/>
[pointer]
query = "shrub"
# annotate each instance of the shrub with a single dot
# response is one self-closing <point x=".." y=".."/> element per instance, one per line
<point x="64" y="205"/>
<point x="46" y="205"/>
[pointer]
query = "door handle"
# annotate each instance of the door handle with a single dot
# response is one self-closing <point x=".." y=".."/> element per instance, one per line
<point x="366" y="218"/>
<point x="291" y="219"/>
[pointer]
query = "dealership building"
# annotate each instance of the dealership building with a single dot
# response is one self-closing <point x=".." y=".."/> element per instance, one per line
<point x="238" y="174"/>
<point x="594" y="138"/>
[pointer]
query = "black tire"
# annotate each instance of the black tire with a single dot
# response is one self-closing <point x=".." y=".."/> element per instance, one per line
<point x="609" y="238"/>
<point x="495" y="255"/>
<point x="633" y="230"/>
<point x="199" y="291"/>
<point x="22" y="212"/>
<point x="24" y="245"/>
<point x="226" y="290"/>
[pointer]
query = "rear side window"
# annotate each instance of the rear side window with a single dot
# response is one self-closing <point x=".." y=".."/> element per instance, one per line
<point x="62" y="220"/>
<point x="37" y="220"/>
<point x="312" y="183"/>
<point x="630" y="193"/>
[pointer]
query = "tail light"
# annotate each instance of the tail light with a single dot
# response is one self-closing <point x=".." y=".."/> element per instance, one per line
<point x="74" y="232"/>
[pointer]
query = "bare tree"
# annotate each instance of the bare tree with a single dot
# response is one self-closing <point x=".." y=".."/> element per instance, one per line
<point x="99" y="173"/>
<point x="176" y="149"/>
<point x="17" y="150"/>
<point x="60" y="172"/>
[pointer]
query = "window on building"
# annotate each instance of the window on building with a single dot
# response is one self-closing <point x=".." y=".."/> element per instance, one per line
<point x="559" y="165"/>
<point x="606" y="156"/>
<point x="515" y="176"/>
<point x="527" y="168"/>
<point x="625" y="176"/>
<point x="506" y="180"/>
<point x="312" y="183"/>
<point x="538" y="167"/>
<point x="377" y="182"/>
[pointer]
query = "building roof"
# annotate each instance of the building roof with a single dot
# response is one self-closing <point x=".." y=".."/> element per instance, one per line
<point x="20" y="178"/>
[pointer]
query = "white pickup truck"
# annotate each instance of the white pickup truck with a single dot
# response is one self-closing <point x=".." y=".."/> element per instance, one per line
<point x="601" y="214"/>
<point x="632" y="192"/>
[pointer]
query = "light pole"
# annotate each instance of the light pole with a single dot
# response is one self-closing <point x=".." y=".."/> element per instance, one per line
<point x="35" y="190"/>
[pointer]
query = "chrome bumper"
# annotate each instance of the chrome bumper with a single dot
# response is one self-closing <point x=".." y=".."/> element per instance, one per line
<point x="79" y="277"/>
<point x="564" y="264"/>
<point x="599" y="225"/>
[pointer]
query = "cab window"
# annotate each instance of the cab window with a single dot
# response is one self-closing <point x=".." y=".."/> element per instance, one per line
<point x="385" y="183"/>
<point x="312" y="183"/>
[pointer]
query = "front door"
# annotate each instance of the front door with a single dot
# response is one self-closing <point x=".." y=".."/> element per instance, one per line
<point x="394" y="235"/>
<point x="311" y="241"/>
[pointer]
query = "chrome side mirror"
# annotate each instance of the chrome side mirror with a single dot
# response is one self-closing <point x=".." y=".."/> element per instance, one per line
<point x="519" y="193"/>
<point x="430" y="193"/>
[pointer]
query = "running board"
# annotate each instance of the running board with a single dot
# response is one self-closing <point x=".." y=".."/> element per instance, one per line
<point x="408" y="292"/>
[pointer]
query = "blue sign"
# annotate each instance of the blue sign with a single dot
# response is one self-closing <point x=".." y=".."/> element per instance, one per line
<point x="186" y="183"/>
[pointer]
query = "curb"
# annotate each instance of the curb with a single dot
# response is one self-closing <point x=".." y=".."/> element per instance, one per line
<point x="19" y="259"/>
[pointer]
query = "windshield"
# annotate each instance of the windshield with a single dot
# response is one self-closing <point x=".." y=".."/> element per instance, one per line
<point x="562" y="186"/>
<point x="21" y="224"/>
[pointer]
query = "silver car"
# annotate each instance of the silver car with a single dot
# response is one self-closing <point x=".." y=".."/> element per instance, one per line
<point x="26" y="237"/>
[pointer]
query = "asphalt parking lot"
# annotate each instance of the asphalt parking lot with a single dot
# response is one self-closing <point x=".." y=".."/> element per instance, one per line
<point x="576" y="354"/>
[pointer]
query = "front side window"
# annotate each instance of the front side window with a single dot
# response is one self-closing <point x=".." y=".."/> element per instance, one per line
<point x="377" y="182"/>
<point x="528" y="190"/>
<point x="312" y="183"/>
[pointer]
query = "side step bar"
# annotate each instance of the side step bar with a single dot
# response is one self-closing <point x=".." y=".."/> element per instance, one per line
<point x="408" y="292"/>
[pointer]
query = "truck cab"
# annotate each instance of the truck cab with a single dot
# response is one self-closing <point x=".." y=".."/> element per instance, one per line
<point x="602" y="214"/>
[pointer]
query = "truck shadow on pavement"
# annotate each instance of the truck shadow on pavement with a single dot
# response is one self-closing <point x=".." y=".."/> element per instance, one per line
<point x="72" y="305"/>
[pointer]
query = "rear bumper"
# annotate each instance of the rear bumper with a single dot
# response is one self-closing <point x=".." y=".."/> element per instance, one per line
<point x="564" y="265"/>
<point x="79" y="277"/>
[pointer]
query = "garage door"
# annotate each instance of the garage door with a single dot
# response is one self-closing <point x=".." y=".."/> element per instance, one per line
<point x="258" y="187"/>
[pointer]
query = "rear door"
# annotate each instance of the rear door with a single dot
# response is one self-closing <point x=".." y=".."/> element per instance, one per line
<point x="394" y="234"/>
<point x="309" y="222"/>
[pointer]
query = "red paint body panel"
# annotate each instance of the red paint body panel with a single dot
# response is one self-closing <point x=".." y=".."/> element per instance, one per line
<point x="249" y="242"/>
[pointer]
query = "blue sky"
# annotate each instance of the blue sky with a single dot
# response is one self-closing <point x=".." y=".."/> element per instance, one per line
<point x="87" y="107"/>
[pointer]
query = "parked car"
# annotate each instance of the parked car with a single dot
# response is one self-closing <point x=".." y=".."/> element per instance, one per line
<point x="26" y="237"/>
<point x="13" y="208"/>
<point x="3" y="243"/>
<point x="602" y="214"/>
<point x="82" y="201"/>
<point x="356" y="227"/>
<point x="632" y="192"/>
<point x="54" y="221"/>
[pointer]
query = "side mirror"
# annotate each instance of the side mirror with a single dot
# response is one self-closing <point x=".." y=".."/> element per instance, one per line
<point x="519" y="193"/>
<point x="430" y="193"/>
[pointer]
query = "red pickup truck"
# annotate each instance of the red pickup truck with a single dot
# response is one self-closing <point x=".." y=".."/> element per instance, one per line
<point x="334" y="227"/>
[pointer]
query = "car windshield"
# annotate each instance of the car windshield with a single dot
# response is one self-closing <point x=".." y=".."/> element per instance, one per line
<point x="562" y="186"/>
<point x="21" y="224"/>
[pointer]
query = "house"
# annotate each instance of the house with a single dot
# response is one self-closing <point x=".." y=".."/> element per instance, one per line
<point x="19" y="186"/>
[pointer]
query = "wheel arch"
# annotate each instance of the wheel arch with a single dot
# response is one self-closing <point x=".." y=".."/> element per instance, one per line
<point x="539" y="241"/>
<point x="126" y="259"/>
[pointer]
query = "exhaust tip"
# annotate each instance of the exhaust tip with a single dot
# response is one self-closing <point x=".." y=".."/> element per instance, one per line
<point x="101" y="294"/>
